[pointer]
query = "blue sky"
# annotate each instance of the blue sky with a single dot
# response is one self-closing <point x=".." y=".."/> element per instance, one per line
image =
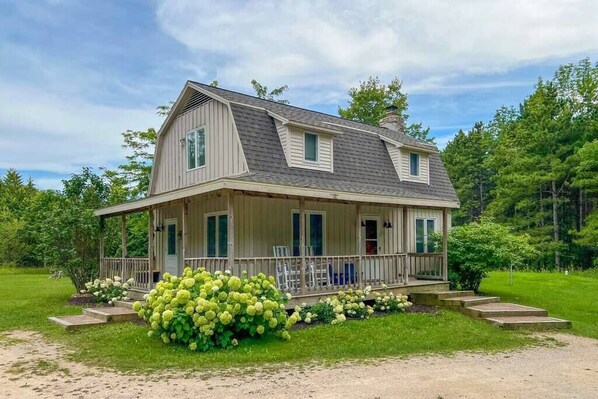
<point x="74" y="74"/>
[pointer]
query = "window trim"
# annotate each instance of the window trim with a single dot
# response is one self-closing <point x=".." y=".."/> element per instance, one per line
<point x="317" y="136"/>
<point x="418" y="175"/>
<point x="205" y="141"/>
<point x="379" y="234"/>
<point x="308" y="228"/>
<point x="205" y="231"/>
<point x="426" y="233"/>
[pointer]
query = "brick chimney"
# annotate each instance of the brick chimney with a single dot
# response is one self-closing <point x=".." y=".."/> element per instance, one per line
<point x="393" y="120"/>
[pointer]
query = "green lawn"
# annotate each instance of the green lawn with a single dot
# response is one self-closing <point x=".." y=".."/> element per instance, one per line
<point x="573" y="297"/>
<point x="28" y="299"/>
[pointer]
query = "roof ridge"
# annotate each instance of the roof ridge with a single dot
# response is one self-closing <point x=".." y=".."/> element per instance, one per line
<point x="311" y="110"/>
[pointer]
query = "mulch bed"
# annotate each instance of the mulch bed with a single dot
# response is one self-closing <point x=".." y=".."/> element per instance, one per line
<point x="85" y="300"/>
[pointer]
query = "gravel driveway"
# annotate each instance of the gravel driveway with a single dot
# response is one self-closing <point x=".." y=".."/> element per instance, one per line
<point x="566" y="367"/>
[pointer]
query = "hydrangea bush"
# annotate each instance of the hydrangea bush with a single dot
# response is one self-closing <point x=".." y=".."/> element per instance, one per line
<point x="352" y="304"/>
<point x="109" y="290"/>
<point x="387" y="301"/>
<point x="203" y="310"/>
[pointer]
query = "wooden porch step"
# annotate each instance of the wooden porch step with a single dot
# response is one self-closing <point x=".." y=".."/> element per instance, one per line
<point x="466" y="301"/>
<point x="111" y="314"/>
<point x="499" y="309"/>
<point x="534" y="322"/>
<point x="433" y="298"/>
<point x="78" y="321"/>
<point x="124" y="304"/>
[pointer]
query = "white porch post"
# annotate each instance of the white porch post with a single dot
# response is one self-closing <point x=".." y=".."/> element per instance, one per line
<point x="150" y="248"/>
<point x="231" y="230"/>
<point x="405" y="245"/>
<point x="445" y="244"/>
<point x="358" y="242"/>
<point x="123" y="230"/>
<point x="184" y="228"/>
<point x="101" y="245"/>
<point x="302" y="242"/>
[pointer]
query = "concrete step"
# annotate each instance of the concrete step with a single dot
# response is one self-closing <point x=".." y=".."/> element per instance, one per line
<point x="111" y="314"/>
<point x="78" y="321"/>
<point x="124" y="304"/>
<point x="499" y="309"/>
<point x="433" y="298"/>
<point x="466" y="301"/>
<point x="533" y="322"/>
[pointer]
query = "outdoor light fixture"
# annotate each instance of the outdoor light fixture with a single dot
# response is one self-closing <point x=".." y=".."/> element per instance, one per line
<point x="182" y="142"/>
<point x="363" y="223"/>
<point x="159" y="228"/>
<point x="387" y="224"/>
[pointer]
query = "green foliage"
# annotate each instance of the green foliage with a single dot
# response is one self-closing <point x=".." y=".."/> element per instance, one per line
<point x="478" y="247"/>
<point x="369" y="102"/>
<point x="387" y="301"/>
<point x="261" y="91"/>
<point x="465" y="158"/>
<point x="203" y="310"/>
<point x="108" y="290"/>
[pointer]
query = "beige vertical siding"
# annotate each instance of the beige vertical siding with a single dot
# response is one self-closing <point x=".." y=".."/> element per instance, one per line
<point x="262" y="222"/>
<point x="283" y="134"/>
<point x="395" y="156"/>
<point x="224" y="155"/>
<point x="424" y="169"/>
<point x="325" y="155"/>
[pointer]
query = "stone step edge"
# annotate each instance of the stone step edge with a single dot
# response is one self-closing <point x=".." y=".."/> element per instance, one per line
<point x="67" y="325"/>
<point x="533" y="321"/>
<point x="466" y="301"/>
<point x="98" y="313"/>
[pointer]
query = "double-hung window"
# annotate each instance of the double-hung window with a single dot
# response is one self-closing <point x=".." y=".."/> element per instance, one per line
<point x="217" y="235"/>
<point x="310" y="147"/>
<point x="414" y="164"/>
<point x="424" y="228"/>
<point x="196" y="148"/>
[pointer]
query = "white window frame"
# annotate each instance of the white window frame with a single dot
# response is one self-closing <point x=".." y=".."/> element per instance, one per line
<point x="379" y="234"/>
<point x="419" y="162"/>
<point x="317" y="161"/>
<point x="308" y="228"/>
<point x="426" y="232"/>
<point x="205" y="140"/>
<point x="205" y="231"/>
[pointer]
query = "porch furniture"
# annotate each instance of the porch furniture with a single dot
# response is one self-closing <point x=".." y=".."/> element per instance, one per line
<point x="348" y="276"/>
<point x="317" y="274"/>
<point x="287" y="277"/>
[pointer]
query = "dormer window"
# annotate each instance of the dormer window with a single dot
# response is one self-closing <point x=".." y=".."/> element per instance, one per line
<point x="310" y="147"/>
<point x="414" y="164"/>
<point x="196" y="149"/>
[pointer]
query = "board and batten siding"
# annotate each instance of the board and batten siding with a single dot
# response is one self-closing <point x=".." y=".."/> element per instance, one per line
<point x="424" y="167"/>
<point x="415" y="213"/>
<point x="296" y="150"/>
<point x="224" y="155"/>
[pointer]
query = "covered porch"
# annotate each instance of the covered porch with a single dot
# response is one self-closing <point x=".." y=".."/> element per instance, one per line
<point x="331" y="244"/>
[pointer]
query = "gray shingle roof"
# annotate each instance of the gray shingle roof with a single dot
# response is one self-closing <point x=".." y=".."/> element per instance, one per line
<point x="361" y="161"/>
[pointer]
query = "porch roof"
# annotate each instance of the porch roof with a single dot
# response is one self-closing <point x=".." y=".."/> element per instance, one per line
<point x="245" y="184"/>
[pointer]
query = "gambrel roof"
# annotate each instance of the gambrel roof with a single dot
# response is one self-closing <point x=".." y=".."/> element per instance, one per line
<point x="361" y="160"/>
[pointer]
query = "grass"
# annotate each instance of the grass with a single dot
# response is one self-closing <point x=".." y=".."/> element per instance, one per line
<point x="573" y="297"/>
<point x="27" y="300"/>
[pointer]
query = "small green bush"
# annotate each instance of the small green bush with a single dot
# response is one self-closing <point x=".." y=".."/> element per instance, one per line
<point x="478" y="247"/>
<point x="387" y="301"/>
<point x="108" y="290"/>
<point x="203" y="310"/>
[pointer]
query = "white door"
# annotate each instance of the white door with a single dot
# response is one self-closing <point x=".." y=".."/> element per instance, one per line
<point x="171" y="247"/>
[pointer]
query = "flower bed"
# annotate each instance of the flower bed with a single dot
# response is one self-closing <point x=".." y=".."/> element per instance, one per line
<point x="203" y="310"/>
<point x="108" y="290"/>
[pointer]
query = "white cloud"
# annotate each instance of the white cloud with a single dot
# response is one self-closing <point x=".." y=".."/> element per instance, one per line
<point x="57" y="133"/>
<point x="334" y="44"/>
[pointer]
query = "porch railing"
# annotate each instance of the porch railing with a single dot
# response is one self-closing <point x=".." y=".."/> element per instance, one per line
<point x="426" y="266"/>
<point x="126" y="268"/>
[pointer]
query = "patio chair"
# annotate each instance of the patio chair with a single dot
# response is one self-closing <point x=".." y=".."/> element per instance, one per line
<point x="287" y="278"/>
<point x="317" y="273"/>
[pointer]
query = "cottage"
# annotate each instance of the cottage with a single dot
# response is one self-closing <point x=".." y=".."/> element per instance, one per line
<point x="321" y="203"/>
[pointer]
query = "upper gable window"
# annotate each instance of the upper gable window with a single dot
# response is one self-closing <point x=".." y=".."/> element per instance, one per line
<point x="196" y="149"/>
<point x="310" y="147"/>
<point x="414" y="164"/>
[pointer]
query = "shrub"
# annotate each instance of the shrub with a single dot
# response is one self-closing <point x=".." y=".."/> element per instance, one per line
<point x="108" y="290"/>
<point x="478" y="247"/>
<point x="336" y="309"/>
<point x="203" y="310"/>
<point x="387" y="301"/>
